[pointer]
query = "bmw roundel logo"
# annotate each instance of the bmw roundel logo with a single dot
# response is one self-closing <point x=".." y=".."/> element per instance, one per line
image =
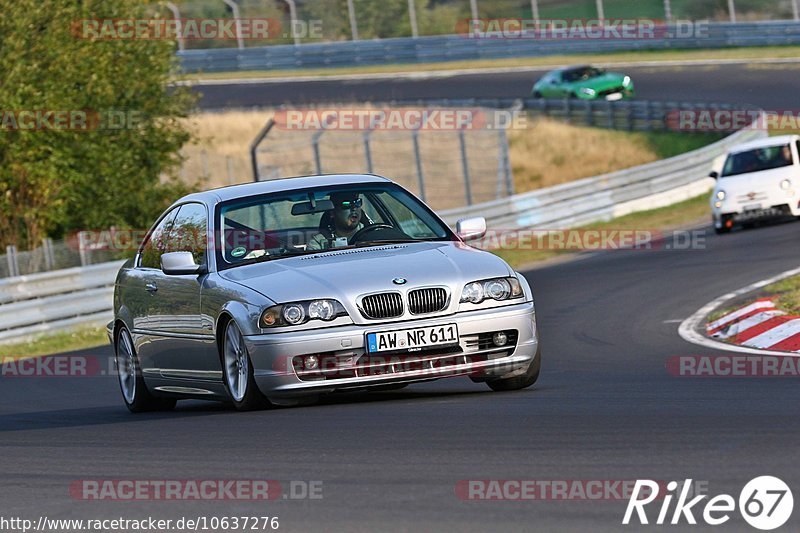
<point x="399" y="281"/>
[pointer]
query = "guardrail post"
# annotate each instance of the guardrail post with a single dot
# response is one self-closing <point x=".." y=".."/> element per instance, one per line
<point x="238" y="22"/>
<point x="732" y="10"/>
<point x="49" y="256"/>
<point x="254" y="147"/>
<point x="351" y="12"/>
<point x="368" y="151"/>
<point x="647" y="110"/>
<point x="462" y="141"/>
<point x="82" y="248"/>
<point x="13" y="262"/>
<point x="568" y="110"/>
<point x="503" y="165"/>
<point x="178" y="24"/>
<point x="315" y="148"/>
<point x="610" y="119"/>
<point x="418" y="162"/>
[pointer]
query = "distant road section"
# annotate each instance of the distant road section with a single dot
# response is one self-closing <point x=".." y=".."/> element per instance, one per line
<point x="771" y="86"/>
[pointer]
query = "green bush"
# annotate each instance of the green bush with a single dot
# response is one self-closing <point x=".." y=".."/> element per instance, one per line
<point x="56" y="180"/>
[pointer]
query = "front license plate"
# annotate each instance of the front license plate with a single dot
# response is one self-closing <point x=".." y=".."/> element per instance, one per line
<point x="412" y="339"/>
<point x="614" y="97"/>
<point x="752" y="207"/>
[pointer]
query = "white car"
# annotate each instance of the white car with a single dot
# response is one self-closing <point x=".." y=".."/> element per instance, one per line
<point x="759" y="179"/>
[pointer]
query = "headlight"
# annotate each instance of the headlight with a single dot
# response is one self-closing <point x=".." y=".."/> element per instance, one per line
<point x="785" y="184"/>
<point x="721" y="195"/>
<point x="626" y="81"/>
<point x="491" y="289"/>
<point x="295" y="313"/>
<point x="589" y="92"/>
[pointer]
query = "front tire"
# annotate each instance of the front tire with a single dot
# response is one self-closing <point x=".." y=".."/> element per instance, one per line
<point x="520" y="382"/>
<point x="237" y="371"/>
<point x="131" y="383"/>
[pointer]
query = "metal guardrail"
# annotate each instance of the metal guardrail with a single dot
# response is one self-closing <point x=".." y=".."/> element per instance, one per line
<point x="437" y="49"/>
<point x="59" y="299"/>
<point x="607" y="196"/>
<point x="55" y="300"/>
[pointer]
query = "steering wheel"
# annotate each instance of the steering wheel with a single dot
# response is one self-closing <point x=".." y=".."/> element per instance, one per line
<point x="357" y="236"/>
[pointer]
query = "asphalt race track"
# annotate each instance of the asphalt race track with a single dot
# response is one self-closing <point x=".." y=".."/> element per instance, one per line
<point x="770" y="86"/>
<point x="605" y="408"/>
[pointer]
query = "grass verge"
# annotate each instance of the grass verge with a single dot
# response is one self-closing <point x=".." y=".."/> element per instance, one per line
<point x="550" y="152"/>
<point x="754" y="53"/>
<point x="786" y="294"/>
<point x="661" y="219"/>
<point x="53" y="343"/>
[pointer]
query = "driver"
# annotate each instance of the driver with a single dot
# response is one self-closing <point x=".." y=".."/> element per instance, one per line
<point x="343" y="222"/>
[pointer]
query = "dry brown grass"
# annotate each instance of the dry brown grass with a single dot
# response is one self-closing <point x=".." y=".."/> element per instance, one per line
<point x="219" y="137"/>
<point x="545" y="153"/>
<point x="549" y="152"/>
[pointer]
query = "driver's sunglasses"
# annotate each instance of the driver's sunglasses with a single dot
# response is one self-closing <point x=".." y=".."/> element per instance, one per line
<point x="350" y="205"/>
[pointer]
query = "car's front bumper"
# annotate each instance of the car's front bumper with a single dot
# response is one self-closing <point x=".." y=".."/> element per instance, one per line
<point x="737" y="214"/>
<point x="275" y="374"/>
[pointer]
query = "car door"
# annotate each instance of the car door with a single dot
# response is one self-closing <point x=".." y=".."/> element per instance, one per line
<point x="139" y="296"/>
<point x="179" y="344"/>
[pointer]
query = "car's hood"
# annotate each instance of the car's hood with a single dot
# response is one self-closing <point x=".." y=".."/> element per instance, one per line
<point x="609" y="80"/>
<point x="347" y="274"/>
<point x="765" y="180"/>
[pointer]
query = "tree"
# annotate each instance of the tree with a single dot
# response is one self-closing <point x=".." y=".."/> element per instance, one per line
<point x="116" y="167"/>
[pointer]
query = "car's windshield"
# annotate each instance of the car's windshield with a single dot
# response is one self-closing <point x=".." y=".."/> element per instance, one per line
<point x="314" y="220"/>
<point x="581" y="74"/>
<point x="759" y="159"/>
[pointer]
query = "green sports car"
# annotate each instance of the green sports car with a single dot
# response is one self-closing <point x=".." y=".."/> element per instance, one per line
<point x="586" y="83"/>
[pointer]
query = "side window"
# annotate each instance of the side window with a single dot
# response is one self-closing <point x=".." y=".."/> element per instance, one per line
<point x="156" y="242"/>
<point x="797" y="148"/>
<point x="189" y="232"/>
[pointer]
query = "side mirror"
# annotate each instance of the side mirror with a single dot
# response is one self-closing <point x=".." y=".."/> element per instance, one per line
<point x="469" y="229"/>
<point x="713" y="174"/>
<point x="180" y="264"/>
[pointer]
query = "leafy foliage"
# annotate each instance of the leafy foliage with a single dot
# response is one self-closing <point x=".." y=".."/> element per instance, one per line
<point x="56" y="180"/>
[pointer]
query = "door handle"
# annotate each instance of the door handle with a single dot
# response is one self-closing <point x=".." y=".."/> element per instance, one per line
<point x="150" y="287"/>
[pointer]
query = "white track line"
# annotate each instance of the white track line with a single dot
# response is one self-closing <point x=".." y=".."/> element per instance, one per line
<point x="690" y="328"/>
<point x="433" y="74"/>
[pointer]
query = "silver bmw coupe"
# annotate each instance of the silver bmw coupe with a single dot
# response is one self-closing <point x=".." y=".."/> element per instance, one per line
<point x="273" y="293"/>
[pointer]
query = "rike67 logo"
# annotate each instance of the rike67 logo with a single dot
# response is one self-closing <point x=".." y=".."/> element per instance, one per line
<point x="765" y="503"/>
